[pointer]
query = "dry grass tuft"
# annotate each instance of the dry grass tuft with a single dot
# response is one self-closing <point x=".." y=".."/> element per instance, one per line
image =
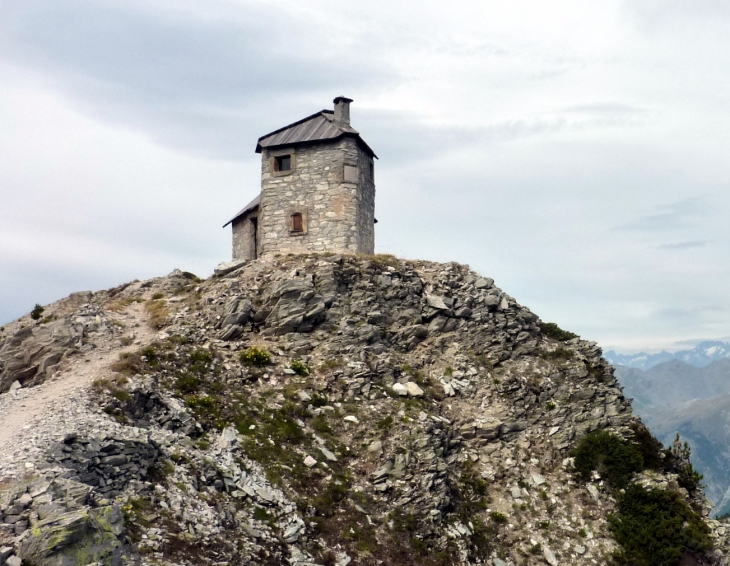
<point x="121" y="304"/>
<point x="158" y="312"/>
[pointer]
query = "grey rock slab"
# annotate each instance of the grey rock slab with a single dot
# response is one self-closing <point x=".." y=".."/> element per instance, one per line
<point x="593" y="491"/>
<point x="549" y="556"/>
<point x="5" y="551"/>
<point x="400" y="389"/>
<point x="327" y="454"/>
<point x="436" y="302"/>
<point x="413" y="390"/>
<point x="226" y="267"/>
<point x="13" y="561"/>
<point x="228" y="438"/>
<point x="484" y="283"/>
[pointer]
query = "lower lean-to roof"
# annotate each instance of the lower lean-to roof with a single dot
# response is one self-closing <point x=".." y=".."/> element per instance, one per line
<point x="254" y="204"/>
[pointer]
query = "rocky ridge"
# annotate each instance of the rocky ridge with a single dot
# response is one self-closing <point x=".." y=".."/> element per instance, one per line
<point x="314" y="410"/>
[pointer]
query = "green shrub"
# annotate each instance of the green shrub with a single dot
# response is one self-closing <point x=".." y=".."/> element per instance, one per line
<point x="497" y="517"/>
<point x="656" y="528"/>
<point x="300" y="368"/>
<point x="652" y="451"/>
<point x="552" y="330"/>
<point x="187" y="383"/>
<point x="255" y="356"/>
<point x="611" y="456"/>
<point x="319" y="424"/>
<point x="679" y="455"/>
<point x="318" y="400"/>
<point x="158" y="296"/>
<point x="37" y="312"/>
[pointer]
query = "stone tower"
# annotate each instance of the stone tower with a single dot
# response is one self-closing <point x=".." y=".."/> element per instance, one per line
<point x="317" y="190"/>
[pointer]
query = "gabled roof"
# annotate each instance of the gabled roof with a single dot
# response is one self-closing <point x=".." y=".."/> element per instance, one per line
<point x="250" y="206"/>
<point x="317" y="127"/>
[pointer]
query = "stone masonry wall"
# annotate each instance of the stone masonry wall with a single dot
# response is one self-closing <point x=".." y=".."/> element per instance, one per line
<point x="244" y="238"/>
<point x="366" y="205"/>
<point x="335" y="212"/>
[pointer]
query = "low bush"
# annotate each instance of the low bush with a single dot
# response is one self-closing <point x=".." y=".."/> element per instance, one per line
<point x="552" y="330"/>
<point x="679" y="462"/>
<point x="300" y="368"/>
<point x="255" y="356"/>
<point x="37" y="312"/>
<point x="656" y="528"/>
<point x="614" y="458"/>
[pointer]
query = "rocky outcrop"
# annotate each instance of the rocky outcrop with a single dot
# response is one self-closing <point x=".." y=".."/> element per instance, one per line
<point x="52" y="524"/>
<point x="343" y="410"/>
<point x="107" y="464"/>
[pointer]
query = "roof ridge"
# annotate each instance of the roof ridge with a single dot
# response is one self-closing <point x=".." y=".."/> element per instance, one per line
<point x="324" y="111"/>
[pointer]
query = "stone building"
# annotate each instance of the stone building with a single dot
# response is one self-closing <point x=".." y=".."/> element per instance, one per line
<point x="317" y="190"/>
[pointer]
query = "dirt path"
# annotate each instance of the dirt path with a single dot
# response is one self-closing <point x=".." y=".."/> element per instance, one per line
<point x="21" y="410"/>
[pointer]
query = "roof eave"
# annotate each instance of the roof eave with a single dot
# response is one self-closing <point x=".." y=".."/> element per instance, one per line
<point x="359" y="139"/>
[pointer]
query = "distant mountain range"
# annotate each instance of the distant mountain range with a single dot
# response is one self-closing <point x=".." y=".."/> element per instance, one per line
<point x="700" y="356"/>
<point x="675" y="397"/>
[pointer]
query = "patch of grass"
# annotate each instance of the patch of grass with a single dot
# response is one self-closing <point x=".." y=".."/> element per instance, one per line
<point x="613" y="457"/>
<point x="497" y="517"/>
<point x="255" y="356"/>
<point x="320" y="425"/>
<point x="121" y="304"/>
<point x="129" y="363"/>
<point x="384" y="260"/>
<point x="656" y="528"/>
<point x="187" y="383"/>
<point x="300" y="368"/>
<point x="158" y="312"/>
<point x="330" y="365"/>
<point x="385" y="423"/>
<point x="158" y="296"/>
<point x="559" y="354"/>
<point x="552" y="330"/>
<point x="37" y="312"/>
<point x="48" y="319"/>
<point x="127" y="340"/>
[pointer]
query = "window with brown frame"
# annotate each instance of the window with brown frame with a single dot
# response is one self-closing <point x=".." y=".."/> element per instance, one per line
<point x="297" y="222"/>
<point x="282" y="163"/>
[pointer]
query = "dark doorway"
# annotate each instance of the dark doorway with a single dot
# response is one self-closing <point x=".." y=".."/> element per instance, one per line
<point x="255" y="225"/>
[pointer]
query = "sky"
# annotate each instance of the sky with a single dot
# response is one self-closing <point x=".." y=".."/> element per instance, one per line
<point x="575" y="152"/>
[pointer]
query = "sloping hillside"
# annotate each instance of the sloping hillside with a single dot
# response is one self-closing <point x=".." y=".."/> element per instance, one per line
<point x="329" y="410"/>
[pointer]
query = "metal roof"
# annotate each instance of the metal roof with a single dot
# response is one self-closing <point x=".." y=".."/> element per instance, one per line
<point x="250" y="206"/>
<point x="317" y="127"/>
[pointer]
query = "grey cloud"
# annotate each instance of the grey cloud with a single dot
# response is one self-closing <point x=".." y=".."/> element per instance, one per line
<point x="683" y="245"/>
<point x="607" y="109"/>
<point x="679" y="214"/>
<point x="189" y="84"/>
<point x="419" y="140"/>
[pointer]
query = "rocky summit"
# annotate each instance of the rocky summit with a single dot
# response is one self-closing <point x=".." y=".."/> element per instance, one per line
<point x="328" y="410"/>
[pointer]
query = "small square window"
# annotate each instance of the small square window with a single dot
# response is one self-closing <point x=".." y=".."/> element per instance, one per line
<point x="297" y="222"/>
<point x="282" y="163"/>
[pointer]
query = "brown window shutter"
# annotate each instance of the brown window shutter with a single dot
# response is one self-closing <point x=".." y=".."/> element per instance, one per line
<point x="296" y="222"/>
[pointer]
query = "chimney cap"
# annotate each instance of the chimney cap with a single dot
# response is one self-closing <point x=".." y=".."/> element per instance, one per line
<point x="342" y="99"/>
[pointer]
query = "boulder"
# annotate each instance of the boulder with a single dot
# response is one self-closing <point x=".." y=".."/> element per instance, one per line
<point x="226" y="267"/>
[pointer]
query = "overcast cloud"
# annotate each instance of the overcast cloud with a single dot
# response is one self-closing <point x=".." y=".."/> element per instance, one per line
<point x="575" y="152"/>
